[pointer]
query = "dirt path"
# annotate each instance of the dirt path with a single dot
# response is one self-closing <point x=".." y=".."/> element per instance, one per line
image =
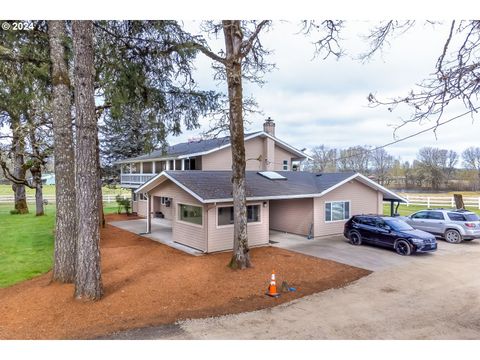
<point x="147" y="283"/>
<point x="433" y="298"/>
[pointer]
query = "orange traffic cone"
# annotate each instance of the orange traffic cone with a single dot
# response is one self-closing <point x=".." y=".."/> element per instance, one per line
<point x="272" y="288"/>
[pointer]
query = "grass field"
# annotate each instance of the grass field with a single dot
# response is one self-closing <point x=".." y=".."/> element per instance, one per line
<point x="405" y="210"/>
<point x="26" y="245"/>
<point x="50" y="190"/>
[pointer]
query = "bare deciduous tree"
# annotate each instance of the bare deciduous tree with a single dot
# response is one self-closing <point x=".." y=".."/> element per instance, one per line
<point x="454" y="79"/>
<point x="471" y="160"/>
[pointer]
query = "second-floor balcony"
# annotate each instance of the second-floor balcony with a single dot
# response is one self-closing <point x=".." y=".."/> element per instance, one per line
<point x="134" y="180"/>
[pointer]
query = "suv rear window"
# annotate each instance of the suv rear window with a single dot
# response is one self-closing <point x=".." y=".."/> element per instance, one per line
<point x="456" y="216"/>
<point x="463" y="217"/>
<point x="472" y="217"/>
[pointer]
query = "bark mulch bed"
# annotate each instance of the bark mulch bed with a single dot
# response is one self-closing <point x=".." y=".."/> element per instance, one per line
<point x="147" y="284"/>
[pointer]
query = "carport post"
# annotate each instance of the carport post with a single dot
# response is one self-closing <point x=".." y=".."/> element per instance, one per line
<point x="391" y="208"/>
<point x="149" y="214"/>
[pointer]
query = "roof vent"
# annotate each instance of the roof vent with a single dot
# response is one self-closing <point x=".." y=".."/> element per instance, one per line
<point x="272" y="175"/>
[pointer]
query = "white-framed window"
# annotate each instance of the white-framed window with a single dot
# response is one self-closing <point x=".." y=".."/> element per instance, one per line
<point x="142" y="196"/>
<point x="164" y="200"/>
<point x="191" y="214"/>
<point x="285" y="165"/>
<point x="225" y="214"/>
<point x="337" y="211"/>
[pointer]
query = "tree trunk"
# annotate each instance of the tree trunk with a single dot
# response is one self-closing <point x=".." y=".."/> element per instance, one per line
<point x="233" y="40"/>
<point x="37" y="182"/>
<point x="88" y="279"/>
<point x="19" y="170"/>
<point x="65" y="226"/>
<point x="100" y="195"/>
<point x="36" y="168"/>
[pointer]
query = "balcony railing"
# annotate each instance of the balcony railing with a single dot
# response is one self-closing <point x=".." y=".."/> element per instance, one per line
<point x="135" y="179"/>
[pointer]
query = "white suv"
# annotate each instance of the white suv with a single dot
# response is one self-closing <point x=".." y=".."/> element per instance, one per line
<point x="453" y="225"/>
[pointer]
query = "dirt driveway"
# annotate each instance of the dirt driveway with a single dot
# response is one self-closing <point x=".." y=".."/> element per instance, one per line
<point x="427" y="297"/>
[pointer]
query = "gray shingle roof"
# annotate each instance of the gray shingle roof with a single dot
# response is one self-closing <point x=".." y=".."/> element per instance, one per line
<point x="211" y="185"/>
<point x="186" y="148"/>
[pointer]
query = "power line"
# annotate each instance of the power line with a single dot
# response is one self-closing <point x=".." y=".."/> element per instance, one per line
<point x="407" y="137"/>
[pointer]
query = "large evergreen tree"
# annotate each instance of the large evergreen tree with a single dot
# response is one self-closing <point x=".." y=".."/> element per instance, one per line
<point x="88" y="280"/>
<point x="65" y="225"/>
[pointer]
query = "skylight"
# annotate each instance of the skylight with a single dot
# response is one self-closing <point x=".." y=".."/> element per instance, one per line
<point x="272" y="175"/>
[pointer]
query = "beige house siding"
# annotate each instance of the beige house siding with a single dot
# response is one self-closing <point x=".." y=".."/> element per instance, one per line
<point x="140" y="207"/>
<point x="221" y="238"/>
<point x="184" y="233"/>
<point x="363" y="200"/>
<point x="281" y="155"/>
<point x="222" y="159"/>
<point x="167" y="211"/>
<point x="293" y="216"/>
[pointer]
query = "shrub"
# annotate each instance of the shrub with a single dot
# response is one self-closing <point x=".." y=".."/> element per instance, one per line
<point x="123" y="203"/>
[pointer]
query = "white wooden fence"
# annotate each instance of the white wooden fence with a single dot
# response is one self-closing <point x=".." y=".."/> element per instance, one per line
<point x="51" y="198"/>
<point x="441" y="201"/>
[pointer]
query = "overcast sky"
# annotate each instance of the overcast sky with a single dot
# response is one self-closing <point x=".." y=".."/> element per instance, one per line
<point x="315" y="101"/>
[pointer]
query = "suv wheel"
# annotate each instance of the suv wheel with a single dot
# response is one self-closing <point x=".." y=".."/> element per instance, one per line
<point x="402" y="247"/>
<point x="355" y="238"/>
<point x="453" y="236"/>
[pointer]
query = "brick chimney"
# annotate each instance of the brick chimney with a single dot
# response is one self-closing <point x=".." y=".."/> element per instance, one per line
<point x="269" y="126"/>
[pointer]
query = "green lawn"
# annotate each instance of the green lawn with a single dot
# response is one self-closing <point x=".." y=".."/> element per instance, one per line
<point x="26" y="243"/>
<point x="405" y="210"/>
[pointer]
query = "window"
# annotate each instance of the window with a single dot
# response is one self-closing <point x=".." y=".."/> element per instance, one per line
<point x="225" y="214"/>
<point x="164" y="200"/>
<point x="135" y="168"/>
<point x="337" y="210"/>
<point x="456" y="217"/>
<point x="142" y="196"/>
<point x="435" y="215"/>
<point x="420" y="215"/>
<point x="147" y="167"/>
<point x="190" y="164"/>
<point x="190" y="213"/>
<point x="125" y="168"/>
<point x="159" y="166"/>
<point x="285" y="164"/>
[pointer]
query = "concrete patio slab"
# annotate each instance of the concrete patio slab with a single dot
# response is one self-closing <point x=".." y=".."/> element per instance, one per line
<point x="161" y="232"/>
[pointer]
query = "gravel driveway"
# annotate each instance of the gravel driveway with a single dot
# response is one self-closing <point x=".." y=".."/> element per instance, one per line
<point x="424" y="297"/>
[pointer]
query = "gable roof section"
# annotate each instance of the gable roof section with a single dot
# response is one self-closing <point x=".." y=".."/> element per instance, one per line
<point x="204" y="147"/>
<point x="216" y="186"/>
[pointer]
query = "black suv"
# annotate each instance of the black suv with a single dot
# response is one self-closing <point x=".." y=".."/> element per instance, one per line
<point x="388" y="232"/>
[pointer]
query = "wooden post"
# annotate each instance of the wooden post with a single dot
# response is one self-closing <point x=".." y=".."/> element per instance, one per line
<point x="149" y="213"/>
<point x="459" y="201"/>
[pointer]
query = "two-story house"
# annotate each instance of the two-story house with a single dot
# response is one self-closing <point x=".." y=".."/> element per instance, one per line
<point x="189" y="188"/>
<point x="263" y="151"/>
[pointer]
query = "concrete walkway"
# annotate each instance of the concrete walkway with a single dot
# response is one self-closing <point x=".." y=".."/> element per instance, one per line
<point x="161" y="232"/>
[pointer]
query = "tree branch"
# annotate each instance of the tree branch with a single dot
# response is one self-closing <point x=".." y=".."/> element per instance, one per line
<point x="247" y="44"/>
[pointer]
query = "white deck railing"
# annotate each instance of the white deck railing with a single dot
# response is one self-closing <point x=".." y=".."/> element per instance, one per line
<point x="135" y="179"/>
